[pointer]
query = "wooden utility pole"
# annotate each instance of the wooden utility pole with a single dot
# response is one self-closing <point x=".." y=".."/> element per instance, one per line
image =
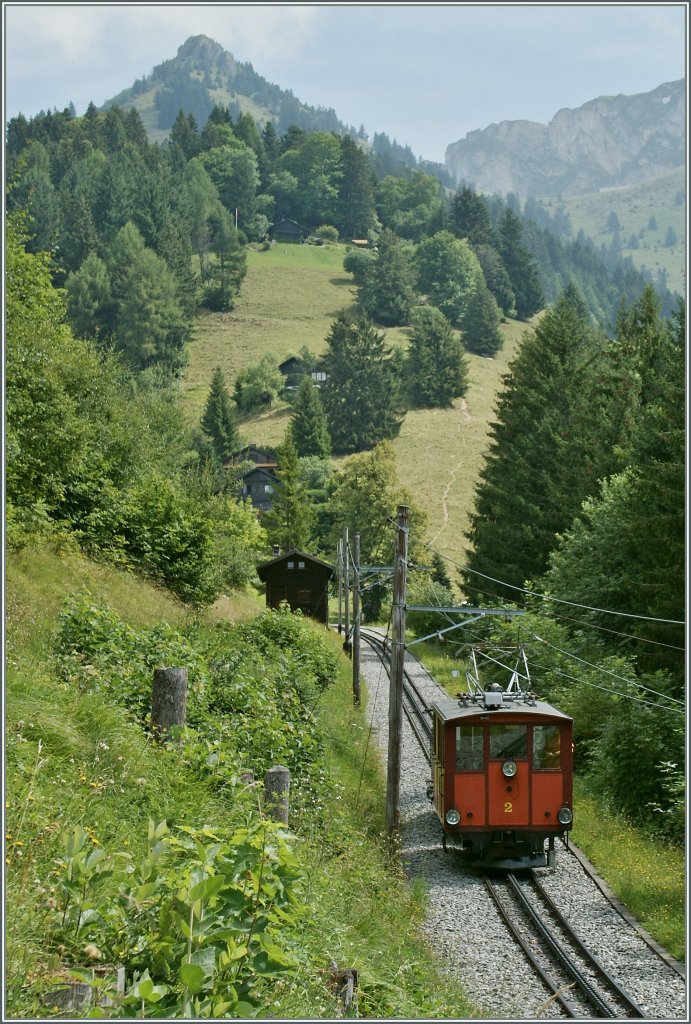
<point x="346" y="580"/>
<point x="393" y="777"/>
<point x="339" y="563"/>
<point x="356" y="620"/>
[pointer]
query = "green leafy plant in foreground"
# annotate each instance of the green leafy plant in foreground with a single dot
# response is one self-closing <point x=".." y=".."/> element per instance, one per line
<point x="200" y="923"/>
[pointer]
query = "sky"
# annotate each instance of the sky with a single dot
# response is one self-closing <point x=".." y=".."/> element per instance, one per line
<point x="424" y="74"/>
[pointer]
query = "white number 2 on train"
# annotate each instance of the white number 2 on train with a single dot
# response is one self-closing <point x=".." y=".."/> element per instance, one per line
<point x="508" y="807"/>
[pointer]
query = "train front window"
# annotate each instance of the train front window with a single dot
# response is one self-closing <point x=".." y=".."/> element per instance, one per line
<point x="546" y="746"/>
<point x="469" y="748"/>
<point x="508" y="741"/>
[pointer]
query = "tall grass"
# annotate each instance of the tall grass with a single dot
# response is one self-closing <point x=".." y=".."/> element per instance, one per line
<point x="74" y="759"/>
<point x="646" y="873"/>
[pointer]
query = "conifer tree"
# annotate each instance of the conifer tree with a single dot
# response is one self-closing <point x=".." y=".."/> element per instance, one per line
<point x="468" y="217"/>
<point x="387" y="292"/>
<point x="308" y="426"/>
<point x="480" y="322"/>
<point x="361" y="394"/>
<point x="520" y="266"/>
<point x="219" y="420"/>
<point x="546" y="452"/>
<point x="626" y="549"/>
<point x="435" y="365"/>
<point x="289" y="521"/>
<point x="356" y="212"/>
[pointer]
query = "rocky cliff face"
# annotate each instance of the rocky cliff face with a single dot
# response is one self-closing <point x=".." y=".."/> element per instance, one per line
<point x="610" y="141"/>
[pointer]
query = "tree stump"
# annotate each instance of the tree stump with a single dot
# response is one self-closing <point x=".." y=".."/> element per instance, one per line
<point x="169" y="700"/>
<point x="277" y="793"/>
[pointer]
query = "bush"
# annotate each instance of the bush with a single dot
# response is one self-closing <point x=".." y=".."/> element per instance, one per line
<point x="636" y="741"/>
<point x="359" y="263"/>
<point x="327" y="233"/>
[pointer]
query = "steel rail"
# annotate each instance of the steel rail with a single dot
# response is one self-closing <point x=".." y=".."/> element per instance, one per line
<point x="591" y="995"/>
<point x="619" y="993"/>
<point x="414" y="706"/>
<point x="556" y="990"/>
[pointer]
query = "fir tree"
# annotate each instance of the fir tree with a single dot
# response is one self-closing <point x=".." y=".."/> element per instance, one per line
<point x="289" y="521"/>
<point x="387" y="292"/>
<point x="308" y="427"/>
<point x="219" y="420"/>
<point x="356" y="212"/>
<point x="468" y="218"/>
<point x="361" y="394"/>
<point x="435" y="365"/>
<point x="480" y="323"/>
<point x="520" y="266"/>
<point x="546" y="452"/>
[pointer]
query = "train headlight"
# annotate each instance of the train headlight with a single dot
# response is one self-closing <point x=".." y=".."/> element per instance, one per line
<point x="509" y="769"/>
<point x="452" y="816"/>
<point x="565" y="816"/>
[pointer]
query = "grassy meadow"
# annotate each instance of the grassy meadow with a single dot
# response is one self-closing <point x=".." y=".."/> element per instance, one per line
<point x="290" y="297"/>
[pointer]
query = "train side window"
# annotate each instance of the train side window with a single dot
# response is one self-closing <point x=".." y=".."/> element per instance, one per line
<point x="469" y="748"/>
<point x="508" y="741"/>
<point x="546" y="746"/>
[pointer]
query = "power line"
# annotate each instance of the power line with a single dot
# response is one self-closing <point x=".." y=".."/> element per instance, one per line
<point x="606" y="689"/>
<point x="606" y="671"/>
<point x="558" y="600"/>
<point x="554" y="614"/>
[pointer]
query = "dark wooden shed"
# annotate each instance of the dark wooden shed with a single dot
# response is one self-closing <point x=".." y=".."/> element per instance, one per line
<point x="300" y="579"/>
<point x="287" y="231"/>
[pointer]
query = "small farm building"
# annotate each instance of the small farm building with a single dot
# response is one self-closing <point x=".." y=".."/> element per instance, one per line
<point x="293" y="371"/>
<point x="300" y="579"/>
<point x="287" y="231"/>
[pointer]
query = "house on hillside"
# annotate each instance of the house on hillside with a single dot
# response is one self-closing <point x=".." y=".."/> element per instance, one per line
<point x="287" y="231"/>
<point x="260" y="482"/>
<point x="300" y="579"/>
<point x="293" y="369"/>
<point x="259" y="486"/>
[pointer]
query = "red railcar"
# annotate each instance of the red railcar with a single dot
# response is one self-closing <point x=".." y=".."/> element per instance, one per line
<point x="502" y="779"/>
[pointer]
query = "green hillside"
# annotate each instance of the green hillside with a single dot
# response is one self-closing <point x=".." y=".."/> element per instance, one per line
<point x="662" y="198"/>
<point x="76" y="758"/>
<point x="289" y="299"/>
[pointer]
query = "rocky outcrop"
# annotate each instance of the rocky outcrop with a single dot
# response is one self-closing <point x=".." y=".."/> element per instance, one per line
<point x="610" y="141"/>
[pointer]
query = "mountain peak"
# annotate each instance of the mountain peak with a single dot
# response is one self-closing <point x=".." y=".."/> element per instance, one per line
<point x="201" y="48"/>
<point x="609" y="141"/>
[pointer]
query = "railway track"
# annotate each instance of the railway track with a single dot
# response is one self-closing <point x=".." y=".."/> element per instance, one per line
<point x="414" y="705"/>
<point x="573" y="976"/>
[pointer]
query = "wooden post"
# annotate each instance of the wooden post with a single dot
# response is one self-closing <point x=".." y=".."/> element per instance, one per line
<point x="169" y="699"/>
<point x="339" y="563"/>
<point x="393" y="777"/>
<point x="356" y="620"/>
<point x="277" y="793"/>
<point x="346" y="579"/>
